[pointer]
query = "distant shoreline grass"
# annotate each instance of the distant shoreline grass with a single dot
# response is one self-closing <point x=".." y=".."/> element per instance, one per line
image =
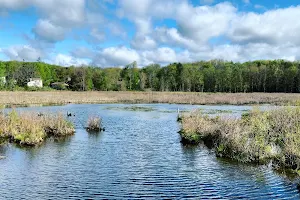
<point x="26" y="98"/>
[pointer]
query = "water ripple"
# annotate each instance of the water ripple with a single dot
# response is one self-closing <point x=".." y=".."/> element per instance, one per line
<point x="138" y="157"/>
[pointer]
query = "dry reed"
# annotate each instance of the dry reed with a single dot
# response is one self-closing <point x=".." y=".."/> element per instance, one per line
<point x="94" y="124"/>
<point x="64" y="97"/>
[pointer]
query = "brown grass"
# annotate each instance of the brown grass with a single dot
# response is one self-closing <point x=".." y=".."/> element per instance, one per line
<point x="64" y="97"/>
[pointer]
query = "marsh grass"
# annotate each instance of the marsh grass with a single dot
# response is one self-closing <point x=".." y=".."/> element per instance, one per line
<point x="94" y="124"/>
<point x="64" y="97"/>
<point x="31" y="129"/>
<point x="258" y="136"/>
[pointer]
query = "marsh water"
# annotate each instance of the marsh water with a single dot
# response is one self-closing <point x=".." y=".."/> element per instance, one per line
<point x="138" y="156"/>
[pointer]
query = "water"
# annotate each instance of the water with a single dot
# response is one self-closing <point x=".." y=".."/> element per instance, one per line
<point x="138" y="156"/>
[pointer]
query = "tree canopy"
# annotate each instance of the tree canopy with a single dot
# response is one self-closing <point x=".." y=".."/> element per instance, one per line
<point x="203" y="76"/>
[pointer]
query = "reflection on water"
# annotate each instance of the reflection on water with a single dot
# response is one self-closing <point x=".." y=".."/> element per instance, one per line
<point x="138" y="156"/>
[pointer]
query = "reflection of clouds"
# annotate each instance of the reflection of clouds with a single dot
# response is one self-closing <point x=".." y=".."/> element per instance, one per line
<point x="139" y="154"/>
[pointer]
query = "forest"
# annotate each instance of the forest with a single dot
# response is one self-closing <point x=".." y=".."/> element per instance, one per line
<point x="203" y="76"/>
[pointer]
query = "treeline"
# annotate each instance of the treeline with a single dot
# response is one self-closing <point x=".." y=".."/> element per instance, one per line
<point x="204" y="76"/>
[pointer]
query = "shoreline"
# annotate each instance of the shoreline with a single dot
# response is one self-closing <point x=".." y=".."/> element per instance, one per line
<point x="26" y="99"/>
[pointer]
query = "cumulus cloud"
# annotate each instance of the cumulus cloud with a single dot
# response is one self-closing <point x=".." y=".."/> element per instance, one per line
<point x="172" y="37"/>
<point x="14" y="4"/>
<point x="207" y="21"/>
<point x="96" y="35"/>
<point x="271" y="27"/>
<point x="195" y="24"/>
<point x="164" y="55"/>
<point x="67" y="60"/>
<point x="21" y="52"/>
<point x="143" y="42"/>
<point x="48" y="31"/>
<point x="241" y="36"/>
<point x="116" y="56"/>
<point x="64" y="13"/>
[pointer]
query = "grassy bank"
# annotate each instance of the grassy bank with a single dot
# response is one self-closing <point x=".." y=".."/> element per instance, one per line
<point x="32" y="129"/>
<point x="63" y="97"/>
<point x="257" y="137"/>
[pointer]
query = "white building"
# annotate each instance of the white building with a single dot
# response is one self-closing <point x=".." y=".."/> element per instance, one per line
<point x="35" y="82"/>
<point x="3" y="80"/>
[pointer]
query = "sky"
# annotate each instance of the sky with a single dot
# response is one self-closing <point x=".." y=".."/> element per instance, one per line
<point x="108" y="33"/>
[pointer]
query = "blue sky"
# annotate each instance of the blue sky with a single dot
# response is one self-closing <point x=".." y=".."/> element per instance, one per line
<point x="116" y="32"/>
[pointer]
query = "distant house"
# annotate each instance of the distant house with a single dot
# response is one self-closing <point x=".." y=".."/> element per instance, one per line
<point x="35" y="82"/>
<point x="59" y="85"/>
<point x="3" y="80"/>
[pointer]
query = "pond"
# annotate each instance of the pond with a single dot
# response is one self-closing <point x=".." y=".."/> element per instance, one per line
<point x="138" y="156"/>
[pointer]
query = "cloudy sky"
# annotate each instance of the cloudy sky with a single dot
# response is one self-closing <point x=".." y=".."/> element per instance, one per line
<point x="117" y="32"/>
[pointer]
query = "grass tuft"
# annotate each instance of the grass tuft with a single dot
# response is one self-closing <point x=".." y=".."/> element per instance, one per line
<point x="94" y="124"/>
<point x="31" y="129"/>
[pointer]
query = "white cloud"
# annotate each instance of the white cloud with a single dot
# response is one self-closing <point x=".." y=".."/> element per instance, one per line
<point x="143" y="42"/>
<point x="272" y="27"/>
<point x="48" y="31"/>
<point x="97" y="35"/>
<point x="196" y="24"/>
<point x="241" y="36"/>
<point x="172" y="37"/>
<point x="116" y="56"/>
<point x="20" y="52"/>
<point x="64" y="13"/>
<point x="161" y="55"/>
<point x="207" y="21"/>
<point x="14" y="4"/>
<point x="67" y="60"/>
<point x="57" y="17"/>
<point x="247" y="52"/>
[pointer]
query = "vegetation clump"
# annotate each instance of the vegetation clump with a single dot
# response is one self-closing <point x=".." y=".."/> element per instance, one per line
<point x="258" y="136"/>
<point x="32" y="129"/>
<point x="94" y="124"/>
